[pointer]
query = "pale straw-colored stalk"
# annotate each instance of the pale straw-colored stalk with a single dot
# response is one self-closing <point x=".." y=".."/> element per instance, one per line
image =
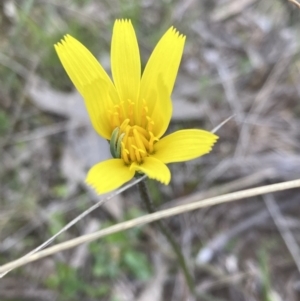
<point x="78" y="218"/>
<point x="226" y="198"/>
<point x="295" y="2"/>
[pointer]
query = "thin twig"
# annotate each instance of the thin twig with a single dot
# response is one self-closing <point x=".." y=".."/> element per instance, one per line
<point x="226" y="198"/>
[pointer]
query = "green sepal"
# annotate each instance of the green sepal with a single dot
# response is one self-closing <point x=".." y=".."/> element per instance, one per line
<point x="113" y="142"/>
<point x="119" y="144"/>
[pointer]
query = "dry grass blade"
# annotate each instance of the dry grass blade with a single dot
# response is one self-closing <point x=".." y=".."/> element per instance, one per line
<point x="222" y="123"/>
<point x="295" y="2"/>
<point x="151" y="218"/>
<point x="77" y="219"/>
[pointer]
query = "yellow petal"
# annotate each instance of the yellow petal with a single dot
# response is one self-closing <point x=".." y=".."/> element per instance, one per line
<point x="164" y="61"/>
<point x="81" y="66"/>
<point x="125" y="60"/>
<point x="91" y="81"/>
<point x="154" y="169"/>
<point x="98" y="102"/>
<point x="108" y="175"/>
<point x="162" y="110"/>
<point x="184" y="145"/>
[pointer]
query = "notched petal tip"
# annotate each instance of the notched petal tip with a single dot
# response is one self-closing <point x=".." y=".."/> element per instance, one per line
<point x="64" y="40"/>
<point x="108" y="175"/>
<point x="124" y="21"/>
<point x="125" y="60"/>
<point x="154" y="169"/>
<point x="184" y="145"/>
<point x="165" y="60"/>
<point x="177" y="34"/>
<point x="165" y="181"/>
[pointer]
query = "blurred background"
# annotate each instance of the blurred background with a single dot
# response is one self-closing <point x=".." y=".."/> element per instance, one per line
<point x="241" y="57"/>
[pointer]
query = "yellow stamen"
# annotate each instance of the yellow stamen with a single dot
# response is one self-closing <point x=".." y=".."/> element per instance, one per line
<point x="141" y="131"/>
<point x="137" y="153"/>
<point x="124" y="125"/>
<point x="130" y="111"/>
<point x="131" y="149"/>
<point x="144" y="114"/>
<point x="137" y="137"/>
<point x="116" y="120"/>
<point x="138" y="140"/>
<point x="124" y="154"/>
<point x="151" y="142"/>
<point x="150" y="124"/>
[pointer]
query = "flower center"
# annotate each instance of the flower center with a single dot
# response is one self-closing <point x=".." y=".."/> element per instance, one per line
<point x="132" y="137"/>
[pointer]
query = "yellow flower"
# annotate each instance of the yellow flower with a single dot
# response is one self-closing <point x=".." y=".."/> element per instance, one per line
<point x="134" y="111"/>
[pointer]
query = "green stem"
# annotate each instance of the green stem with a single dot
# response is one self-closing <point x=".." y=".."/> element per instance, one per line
<point x="165" y="231"/>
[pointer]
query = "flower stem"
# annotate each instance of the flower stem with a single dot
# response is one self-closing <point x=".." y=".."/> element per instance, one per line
<point x="165" y="231"/>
